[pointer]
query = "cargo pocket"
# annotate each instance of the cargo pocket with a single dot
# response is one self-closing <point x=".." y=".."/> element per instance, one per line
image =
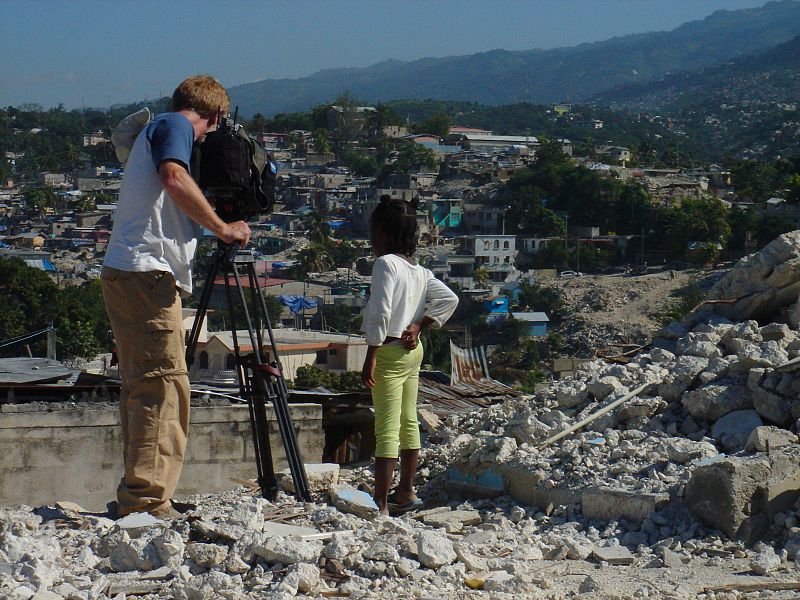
<point x="162" y="351"/>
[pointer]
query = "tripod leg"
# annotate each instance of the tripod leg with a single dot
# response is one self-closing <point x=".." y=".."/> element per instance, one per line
<point x="202" y="309"/>
<point x="259" y="425"/>
<point x="275" y="390"/>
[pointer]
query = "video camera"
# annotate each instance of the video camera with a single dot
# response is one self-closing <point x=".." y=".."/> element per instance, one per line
<point x="235" y="172"/>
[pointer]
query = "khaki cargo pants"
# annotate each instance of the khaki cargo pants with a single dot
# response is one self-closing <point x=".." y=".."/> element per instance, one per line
<point x="145" y="313"/>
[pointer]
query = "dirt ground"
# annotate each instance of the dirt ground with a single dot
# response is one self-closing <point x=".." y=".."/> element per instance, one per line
<point x="621" y="308"/>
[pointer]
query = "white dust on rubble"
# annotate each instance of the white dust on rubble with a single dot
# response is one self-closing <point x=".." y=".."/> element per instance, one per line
<point x="713" y="388"/>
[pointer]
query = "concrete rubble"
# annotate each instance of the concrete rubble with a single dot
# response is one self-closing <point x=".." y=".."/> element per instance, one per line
<point x="690" y="486"/>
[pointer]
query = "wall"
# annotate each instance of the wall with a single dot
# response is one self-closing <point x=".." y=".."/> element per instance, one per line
<point x="76" y="453"/>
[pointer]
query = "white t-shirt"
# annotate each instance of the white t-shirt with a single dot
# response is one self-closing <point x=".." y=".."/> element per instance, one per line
<point x="150" y="232"/>
<point x="401" y="294"/>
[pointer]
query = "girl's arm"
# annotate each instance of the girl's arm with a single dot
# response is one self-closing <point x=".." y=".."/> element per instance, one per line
<point x="441" y="303"/>
<point x="379" y="307"/>
<point x="376" y="316"/>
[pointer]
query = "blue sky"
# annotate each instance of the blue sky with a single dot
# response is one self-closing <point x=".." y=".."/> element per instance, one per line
<point x="95" y="53"/>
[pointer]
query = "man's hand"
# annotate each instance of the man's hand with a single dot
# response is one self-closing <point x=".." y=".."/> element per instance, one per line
<point x="238" y="231"/>
<point x="410" y="336"/>
<point x="368" y="371"/>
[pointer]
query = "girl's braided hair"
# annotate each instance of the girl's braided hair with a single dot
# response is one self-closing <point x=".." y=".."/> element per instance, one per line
<point x="397" y="219"/>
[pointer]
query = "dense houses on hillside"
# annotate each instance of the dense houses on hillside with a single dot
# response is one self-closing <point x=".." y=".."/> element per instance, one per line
<point x="462" y="227"/>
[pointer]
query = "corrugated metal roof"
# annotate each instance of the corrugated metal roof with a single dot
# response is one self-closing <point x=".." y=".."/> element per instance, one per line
<point x="446" y="399"/>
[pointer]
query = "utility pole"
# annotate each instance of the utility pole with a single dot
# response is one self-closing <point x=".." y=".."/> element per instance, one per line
<point x="578" y="253"/>
<point x="642" y="248"/>
<point x="566" y="247"/>
<point x="51" y="342"/>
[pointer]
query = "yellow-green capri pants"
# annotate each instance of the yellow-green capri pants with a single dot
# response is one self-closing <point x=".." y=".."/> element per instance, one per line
<point x="395" y="399"/>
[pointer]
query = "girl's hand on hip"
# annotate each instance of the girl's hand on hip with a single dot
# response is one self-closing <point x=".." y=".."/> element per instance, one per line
<point x="410" y="336"/>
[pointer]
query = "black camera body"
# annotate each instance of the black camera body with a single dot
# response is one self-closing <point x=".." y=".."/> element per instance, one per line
<point x="237" y="174"/>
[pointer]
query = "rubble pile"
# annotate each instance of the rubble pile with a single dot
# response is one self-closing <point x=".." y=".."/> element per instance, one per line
<point x="680" y="480"/>
<point x="619" y="309"/>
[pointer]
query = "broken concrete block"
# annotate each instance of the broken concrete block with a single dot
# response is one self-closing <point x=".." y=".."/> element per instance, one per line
<point x="609" y="503"/>
<point x="434" y="550"/>
<point x="768" y="436"/>
<point x="207" y="555"/>
<point x="765" y="561"/>
<point x="671" y="560"/>
<point x="732" y="430"/>
<point x="613" y="555"/>
<point x="288" y="550"/>
<point x="740" y="495"/>
<point x="772" y="407"/>
<point x="682" y="451"/>
<point x="604" y="386"/>
<point x="716" y="400"/>
<point x="570" y="394"/>
<point x="454" y="520"/>
<point x="350" y="500"/>
<point x="321" y="476"/>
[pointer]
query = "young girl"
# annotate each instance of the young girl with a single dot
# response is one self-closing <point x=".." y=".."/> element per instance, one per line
<point x="405" y="298"/>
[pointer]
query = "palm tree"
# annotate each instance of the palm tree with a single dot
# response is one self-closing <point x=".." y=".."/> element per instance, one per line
<point x="314" y="259"/>
<point x="319" y="231"/>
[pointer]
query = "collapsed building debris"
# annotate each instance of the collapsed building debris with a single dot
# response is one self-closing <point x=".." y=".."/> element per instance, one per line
<point x="675" y="475"/>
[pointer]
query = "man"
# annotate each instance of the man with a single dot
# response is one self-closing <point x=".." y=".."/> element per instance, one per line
<point x="146" y="270"/>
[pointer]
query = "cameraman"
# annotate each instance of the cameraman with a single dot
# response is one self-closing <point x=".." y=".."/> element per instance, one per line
<point x="146" y="270"/>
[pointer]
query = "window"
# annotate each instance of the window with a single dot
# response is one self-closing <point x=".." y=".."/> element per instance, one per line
<point x="203" y="360"/>
<point x="506" y="245"/>
<point x="487" y="245"/>
<point x="332" y="352"/>
<point x="322" y="357"/>
<point x="497" y="244"/>
<point x="496" y="259"/>
<point x="230" y="361"/>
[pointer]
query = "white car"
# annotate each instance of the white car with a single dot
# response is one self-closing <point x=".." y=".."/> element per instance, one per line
<point x="568" y="274"/>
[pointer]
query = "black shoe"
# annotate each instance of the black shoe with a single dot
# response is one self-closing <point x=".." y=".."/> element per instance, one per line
<point x="397" y="508"/>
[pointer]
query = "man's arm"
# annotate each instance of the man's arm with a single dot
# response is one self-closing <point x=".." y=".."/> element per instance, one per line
<point x="190" y="200"/>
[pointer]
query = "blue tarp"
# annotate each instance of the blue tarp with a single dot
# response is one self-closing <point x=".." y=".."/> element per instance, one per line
<point x="336" y="223"/>
<point x="297" y="303"/>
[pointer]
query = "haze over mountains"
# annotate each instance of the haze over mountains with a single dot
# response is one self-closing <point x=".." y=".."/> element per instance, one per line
<point x="577" y="73"/>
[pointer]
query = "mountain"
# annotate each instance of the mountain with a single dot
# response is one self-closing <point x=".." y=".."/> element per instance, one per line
<point x="541" y="76"/>
<point x="771" y="76"/>
<point x="745" y="108"/>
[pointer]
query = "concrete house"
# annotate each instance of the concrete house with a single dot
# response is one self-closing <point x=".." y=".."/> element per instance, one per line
<point x="297" y="348"/>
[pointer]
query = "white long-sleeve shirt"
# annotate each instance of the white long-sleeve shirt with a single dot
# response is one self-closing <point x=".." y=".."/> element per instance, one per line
<point x="402" y="294"/>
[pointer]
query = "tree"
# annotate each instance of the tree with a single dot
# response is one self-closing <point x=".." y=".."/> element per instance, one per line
<point x="322" y="143"/>
<point x="438" y="125"/>
<point x="412" y="157"/>
<point x="535" y="297"/>
<point x="319" y="231"/>
<point x="314" y="259"/>
<point x="481" y="276"/>
<point x="257" y="124"/>
<point x="340" y="317"/>
<point x="793" y="191"/>
<point x="40" y="199"/>
<point x="753" y="179"/>
<point x="274" y="308"/>
<point x="383" y="116"/>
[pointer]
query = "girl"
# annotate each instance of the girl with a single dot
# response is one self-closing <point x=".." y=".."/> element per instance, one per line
<point x="405" y="298"/>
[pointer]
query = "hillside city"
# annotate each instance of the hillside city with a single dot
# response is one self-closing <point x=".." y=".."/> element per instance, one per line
<point x="612" y="411"/>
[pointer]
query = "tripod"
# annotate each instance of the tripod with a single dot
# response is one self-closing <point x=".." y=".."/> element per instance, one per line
<point x="259" y="381"/>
